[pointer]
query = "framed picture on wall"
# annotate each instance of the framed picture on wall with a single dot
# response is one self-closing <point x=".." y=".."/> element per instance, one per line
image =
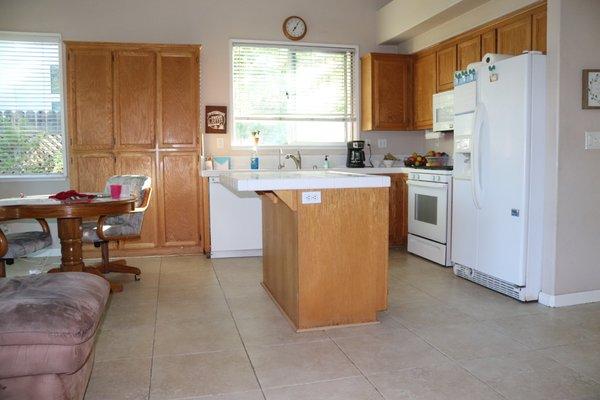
<point x="216" y="119"/>
<point x="591" y="88"/>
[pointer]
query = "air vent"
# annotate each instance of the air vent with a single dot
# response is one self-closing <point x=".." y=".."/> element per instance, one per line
<point x="489" y="281"/>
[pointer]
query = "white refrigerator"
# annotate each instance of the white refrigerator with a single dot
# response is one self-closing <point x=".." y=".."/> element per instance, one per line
<point x="498" y="177"/>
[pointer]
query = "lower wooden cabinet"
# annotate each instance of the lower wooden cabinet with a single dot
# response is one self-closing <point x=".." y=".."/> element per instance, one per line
<point x="89" y="171"/>
<point x="398" y="213"/>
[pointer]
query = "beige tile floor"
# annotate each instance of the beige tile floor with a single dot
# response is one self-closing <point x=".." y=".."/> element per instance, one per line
<point x="194" y="328"/>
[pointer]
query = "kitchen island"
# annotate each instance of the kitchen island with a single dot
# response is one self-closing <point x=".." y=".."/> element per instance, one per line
<point x="325" y="243"/>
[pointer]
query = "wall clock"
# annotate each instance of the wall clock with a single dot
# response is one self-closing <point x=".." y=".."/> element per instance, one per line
<point x="591" y="88"/>
<point x="294" y="28"/>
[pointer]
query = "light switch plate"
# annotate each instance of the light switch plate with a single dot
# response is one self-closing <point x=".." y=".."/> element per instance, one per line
<point x="382" y="143"/>
<point x="592" y="140"/>
<point x="220" y="143"/>
<point x="311" y="197"/>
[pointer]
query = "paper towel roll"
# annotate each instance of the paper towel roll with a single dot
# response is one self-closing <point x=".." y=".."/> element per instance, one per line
<point x="491" y="58"/>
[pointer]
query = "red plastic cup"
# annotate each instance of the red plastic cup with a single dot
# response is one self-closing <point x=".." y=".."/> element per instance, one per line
<point x="115" y="191"/>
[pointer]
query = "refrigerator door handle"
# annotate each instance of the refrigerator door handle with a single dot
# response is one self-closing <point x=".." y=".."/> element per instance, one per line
<point x="476" y="156"/>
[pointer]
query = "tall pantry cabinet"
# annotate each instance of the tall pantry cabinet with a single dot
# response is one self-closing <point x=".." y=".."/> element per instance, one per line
<point x="134" y="109"/>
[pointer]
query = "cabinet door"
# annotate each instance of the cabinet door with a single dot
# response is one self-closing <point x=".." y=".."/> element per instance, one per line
<point x="424" y="88"/>
<point x="90" y="98"/>
<point x="398" y="210"/>
<point x="515" y="37"/>
<point x="488" y="42"/>
<point x="89" y="172"/>
<point x="179" y="199"/>
<point x="468" y="51"/>
<point x="178" y="98"/>
<point x="446" y="65"/>
<point x="392" y="90"/>
<point x="141" y="164"/>
<point x="538" y="27"/>
<point x="135" y="98"/>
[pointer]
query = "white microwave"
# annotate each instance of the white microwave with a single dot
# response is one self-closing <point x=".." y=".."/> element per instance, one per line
<point x="443" y="111"/>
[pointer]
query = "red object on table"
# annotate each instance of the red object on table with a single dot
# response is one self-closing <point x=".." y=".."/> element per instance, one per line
<point x="71" y="195"/>
<point x="115" y="191"/>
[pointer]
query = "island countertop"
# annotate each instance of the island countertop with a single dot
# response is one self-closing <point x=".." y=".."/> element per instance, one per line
<point x="298" y="180"/>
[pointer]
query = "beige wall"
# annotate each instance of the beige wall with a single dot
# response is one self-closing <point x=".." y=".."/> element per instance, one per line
<point x="211" y="23"/>
<point x="572" y="192"/>
<point x="478" y="16"/>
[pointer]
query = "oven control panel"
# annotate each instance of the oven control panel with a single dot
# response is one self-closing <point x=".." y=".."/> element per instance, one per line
<point x="426" y="177"/>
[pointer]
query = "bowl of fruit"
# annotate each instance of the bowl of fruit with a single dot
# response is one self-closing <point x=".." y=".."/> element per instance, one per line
<point x="415" y="160"/>
<point x="436" y="159"/>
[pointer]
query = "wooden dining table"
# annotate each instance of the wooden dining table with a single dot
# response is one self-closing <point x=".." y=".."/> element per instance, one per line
<point x="69" y="215"/>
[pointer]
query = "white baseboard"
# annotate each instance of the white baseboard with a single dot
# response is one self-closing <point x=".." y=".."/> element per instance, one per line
<point x="236" y="253"/>
<point x="569" y="299"/>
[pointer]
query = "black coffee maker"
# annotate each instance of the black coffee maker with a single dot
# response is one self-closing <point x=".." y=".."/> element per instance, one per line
<point x="356" y="154"/>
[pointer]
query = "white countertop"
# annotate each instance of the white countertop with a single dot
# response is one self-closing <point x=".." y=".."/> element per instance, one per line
<point x="247" y="181"/>
<point x="392" y="170"/>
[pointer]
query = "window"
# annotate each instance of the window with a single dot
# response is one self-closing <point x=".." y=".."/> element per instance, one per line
<point x="294" y="95"/>
<point x="31" y="106"/>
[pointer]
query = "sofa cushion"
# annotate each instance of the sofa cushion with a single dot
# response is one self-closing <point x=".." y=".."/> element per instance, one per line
<point x="48" y="322"/>
<point x="62" y="308"/>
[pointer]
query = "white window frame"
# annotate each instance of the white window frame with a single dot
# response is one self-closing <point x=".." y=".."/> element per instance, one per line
<point x="26" y="36"/>
<point x="355" y="132"/>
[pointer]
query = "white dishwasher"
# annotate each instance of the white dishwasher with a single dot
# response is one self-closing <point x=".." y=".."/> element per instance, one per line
<point x="235" y="222"/>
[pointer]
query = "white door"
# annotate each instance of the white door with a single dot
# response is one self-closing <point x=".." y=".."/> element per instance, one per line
<point x="464" y="224"/>
<point x="501" y="168"/>
<point x="427" y="210"/>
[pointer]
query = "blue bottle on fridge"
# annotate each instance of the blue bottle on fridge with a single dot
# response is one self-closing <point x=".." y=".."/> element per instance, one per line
<point x="254" y="161"/>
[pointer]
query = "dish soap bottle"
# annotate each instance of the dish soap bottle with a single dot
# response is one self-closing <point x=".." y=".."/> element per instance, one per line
<point x="326" y="162"/>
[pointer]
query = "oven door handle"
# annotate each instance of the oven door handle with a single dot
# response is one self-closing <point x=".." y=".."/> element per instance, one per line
<point x="435" y="185"/>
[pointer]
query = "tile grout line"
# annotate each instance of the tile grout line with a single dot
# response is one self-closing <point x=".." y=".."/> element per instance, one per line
<point x="356" y="366"/>
<point x="154" y="333"/>
<point x="238" y="332"/>
<point x="452" y="361"/>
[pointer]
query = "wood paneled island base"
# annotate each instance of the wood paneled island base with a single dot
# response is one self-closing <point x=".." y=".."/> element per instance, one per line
<point x="326" y="264"/>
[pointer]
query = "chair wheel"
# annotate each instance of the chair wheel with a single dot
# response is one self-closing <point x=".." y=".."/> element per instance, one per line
<point x="136" y="277"/>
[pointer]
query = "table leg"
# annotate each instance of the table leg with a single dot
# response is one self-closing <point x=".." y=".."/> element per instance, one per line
<point x="69" y="232"/>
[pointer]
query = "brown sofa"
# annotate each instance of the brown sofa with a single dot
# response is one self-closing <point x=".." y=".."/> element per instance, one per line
<point x="48" y="325"/>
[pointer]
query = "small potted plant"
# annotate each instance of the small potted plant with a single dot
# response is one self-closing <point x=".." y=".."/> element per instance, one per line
<point x="389" y="159"/>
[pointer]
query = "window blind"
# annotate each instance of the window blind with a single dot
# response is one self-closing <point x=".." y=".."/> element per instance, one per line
<point x="293" y="94"/>
<point x="31" y="122"/>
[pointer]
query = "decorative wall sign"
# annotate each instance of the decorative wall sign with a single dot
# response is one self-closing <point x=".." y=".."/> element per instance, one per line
<point x="591" y="88"/>
<point x="216" y="119"/>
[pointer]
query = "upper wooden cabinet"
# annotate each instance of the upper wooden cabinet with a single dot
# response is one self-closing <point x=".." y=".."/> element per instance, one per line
<point x="468" y="51"/>
<point x="135" y="98"/>
<point x="539" y="32"/>
<point x="446" y="65"/>
<point x="488" y="42"/>
<point x="90" y="98"/>
<point x="515" y="36"/>
<point x="179" y="75"/>
<point x="425" y="86"/>
<point x="386" y="98"/>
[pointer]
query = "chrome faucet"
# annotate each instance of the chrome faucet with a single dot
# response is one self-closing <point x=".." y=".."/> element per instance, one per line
<point x="297" y="159"/>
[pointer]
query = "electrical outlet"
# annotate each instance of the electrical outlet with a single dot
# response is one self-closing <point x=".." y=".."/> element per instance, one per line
<point x="592" y="140"/>
<point x="311" y="197"/>
<point x="220" y="143"/>
<point x="382" y="143"/>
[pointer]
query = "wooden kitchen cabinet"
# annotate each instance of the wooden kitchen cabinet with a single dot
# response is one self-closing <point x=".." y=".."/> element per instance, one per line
<point x="445" y="67"/>
<point x="179" y="202"/>
<point x="386" y="97"/>
<point x="134" y="109"/>
<point x="468" y="51"/>
<point x="515" y="36"/>
<point x="141" y="163"/>
<point x="398" y="210"/>
<point x="90" y="95"/>
<point x="179" y="98"/>
<point x="539" y="30"/>
<point x="424" y="88"/>
<point x="488" y="42"/>
<point x="135" y="98"/>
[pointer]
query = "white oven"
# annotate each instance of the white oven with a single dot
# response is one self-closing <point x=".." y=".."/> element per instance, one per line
<point x="429" y="215"/>
<point x="443" y="111"/>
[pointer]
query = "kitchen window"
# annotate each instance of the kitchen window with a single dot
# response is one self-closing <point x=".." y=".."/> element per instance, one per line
<point x="295" y="95"/>
<point x="31" y="106"/>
